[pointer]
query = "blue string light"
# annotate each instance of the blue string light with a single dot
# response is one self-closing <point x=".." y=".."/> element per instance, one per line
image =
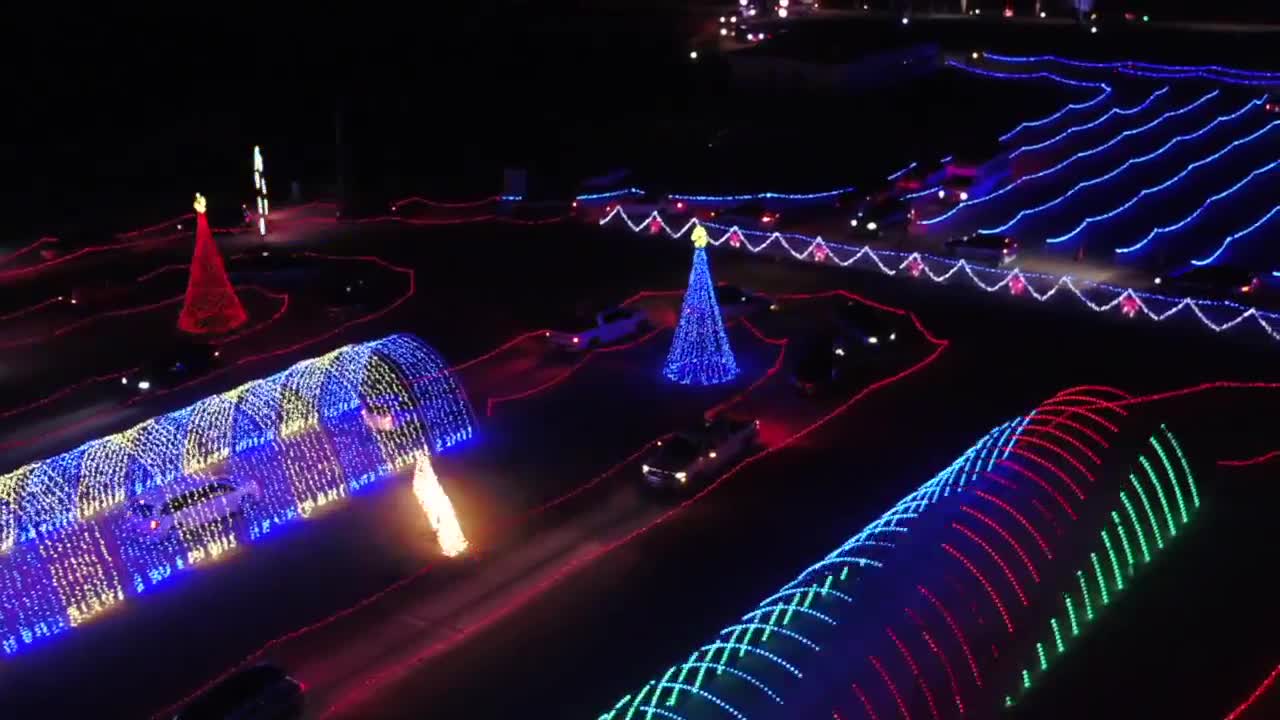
<point x="1201" y="75"/>
<point x="1157" y="188"/>
<point x="1072" y="159"/>
<point x="1232" y="238"/>
<point x="1132" y="63"/>
<point x="700" y="353"/>
<point x="1025" y="76"/>
<point x="765" y="196"/>
<point x="903" y="171"/>
<point x="611" y="194"/>
<point x="1207" y="204"/>
<point x="947" y="159"/>
<point x="1106" y="92"/>
<point x="922" y="193"/>
<point x="1090" y="125"/>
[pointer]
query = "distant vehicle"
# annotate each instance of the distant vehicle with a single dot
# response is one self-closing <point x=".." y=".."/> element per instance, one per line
<point x="349" y="293"/>
<point x="736" y="303"/>
<point x="263" y="260"/>
<point x="864" y="326"/>
<point x="1218" y="281"/>
<point x="875" y="218"/>
<point x="750" y="215"/>
<point x="611" y="326"/>
<point x="262" y="692"/>
<point x="158" y="514"/>
<point x="816" y="366"/>
<point x="692" y="457"/>
<point x="995" y="250"/>
<point x="180" y="361"/>
<point x="640" y="207"/>
<point x="956" y="189"/>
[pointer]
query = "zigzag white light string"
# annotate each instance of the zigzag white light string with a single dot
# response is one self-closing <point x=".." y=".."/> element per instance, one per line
<point x="1129" y="300"/>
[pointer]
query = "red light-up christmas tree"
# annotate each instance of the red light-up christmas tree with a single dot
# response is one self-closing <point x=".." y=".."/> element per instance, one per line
<point x="211" y="306"/>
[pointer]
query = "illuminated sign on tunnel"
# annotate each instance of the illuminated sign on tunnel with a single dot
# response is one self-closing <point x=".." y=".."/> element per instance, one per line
<point x="81" y="530"/>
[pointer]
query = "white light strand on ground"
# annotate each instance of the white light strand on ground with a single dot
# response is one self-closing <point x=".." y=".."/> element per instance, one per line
<point x="438" y="508"/>
<point x="1015" y="281"/>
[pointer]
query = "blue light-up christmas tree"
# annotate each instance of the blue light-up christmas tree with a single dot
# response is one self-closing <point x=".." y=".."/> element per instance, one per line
<point x="700" y="353"/>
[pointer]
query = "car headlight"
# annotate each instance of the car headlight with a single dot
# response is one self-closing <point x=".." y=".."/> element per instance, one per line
<point x="644" y="468"/>
<point x="893" y="336"/>
<point x="873" y="340"/>
<point x="872" y="225"/>
<point x="1159" y="280"/>
<point x="964" y="197"/>
<point x="840" y="351"/>
<point x="125" y="380"/>
<point x="144" y="385"/>
<point x="853" y="222"/>
<point x="682" y="475"/>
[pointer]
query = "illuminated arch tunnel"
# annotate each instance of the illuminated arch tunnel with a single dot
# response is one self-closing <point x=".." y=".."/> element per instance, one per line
<point x="957" y="600"/>
<point x="315" y="432"/>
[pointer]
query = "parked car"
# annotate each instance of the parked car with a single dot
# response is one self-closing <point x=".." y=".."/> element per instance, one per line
<point x="180" y="361"/>
<point x="995" y="250"/>
<point x="611" y="326"/>
<point x="823" y="361"/>
<point x="751" y="215"/>
<point x="182" y="505"/>
<point x="736" y="303"/>
<point x="1213" y="281"/>
<point x="691" y="458"/>
<point x="873" y="219"/>
<point x="261" y="692"/>
<point x="864" y="326"/>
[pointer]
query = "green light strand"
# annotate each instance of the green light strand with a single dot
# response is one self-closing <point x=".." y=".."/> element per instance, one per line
<point x="1071" y="615"/>
<point x="1137" y="528"/>
<point x="1191" y="481"/>
<point x="786" y="619"/>
<point x="1102" y="582"/>
<point x="684" y="670"/>
<point x="827" y="585"/>
<point x="702" y="669"/>
<point x="844" y="573"/>
<point x="1026" y="680"/>
<point x="1057" y="636"/>
<point x="1044" y="661"/>
<point x="1151" y="515"/>
<point x="1111" y="554"/>
<point x="631" y="711"/>
<point x="1084" y="590"/>
<point x="657" y="694"/>
<point x="1164" y="502"/>
<point x="609" y="715"/>
<point x="1124" y="540"/>
<point x="1173" y="478"/>
<point x="733" y="640"/>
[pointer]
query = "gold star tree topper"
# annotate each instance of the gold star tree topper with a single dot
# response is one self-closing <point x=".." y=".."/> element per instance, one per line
<point x="200" y="205"/>
<point x="699" y="236"/>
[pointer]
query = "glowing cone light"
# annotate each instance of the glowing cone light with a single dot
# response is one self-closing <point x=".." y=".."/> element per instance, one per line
<point x="439" y="510"/>
<point x="700" y="353"/>
<point x="211" y="306"/>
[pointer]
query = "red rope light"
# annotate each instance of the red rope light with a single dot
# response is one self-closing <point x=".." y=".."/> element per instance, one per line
<point x="23" y="251"/>
<point x="1007" y="537"/>
<point x="995" y="597"/>
<point x="955" y="630"/>
<point x="29" y="310"/>
<point x="994" y="556"/>
<point x="915" y="670"/>
<point x="946" y="664"/>
<point x="871" y="712"/>
<point x="902" y="706"/>
<point x="1260" y="459"/>
<point x="1073" y="410"/>
<point x="1064" y="420"/>
<point x="1018" y="516"/>
<point x="1255" y="695"/>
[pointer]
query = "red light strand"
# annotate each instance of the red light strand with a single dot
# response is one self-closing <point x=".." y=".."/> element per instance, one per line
<point x="1007" y="537"/>
<point x="955" y="630"/>
<point x="1255" y="696"/>
<point x="1019" y="517"/>
<point x="902" y="706"/>
<point x="995" y="597"/>
<point x="1039" y="481"/>
<point x="1260" y="459"/>
<point x="942" y="657"/>
<point x="994" y="556"/>
<point x="915" y="670"/>
<point x="871" y="712"/>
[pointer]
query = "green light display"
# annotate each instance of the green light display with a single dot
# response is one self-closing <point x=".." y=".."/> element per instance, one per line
<point x="1088" y="594"/>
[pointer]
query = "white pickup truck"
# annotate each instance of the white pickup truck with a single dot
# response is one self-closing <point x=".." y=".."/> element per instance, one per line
<point x="611" y="326"/>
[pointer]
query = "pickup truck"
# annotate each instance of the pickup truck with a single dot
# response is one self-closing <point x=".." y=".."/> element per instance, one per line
<point x="611" y="326"/>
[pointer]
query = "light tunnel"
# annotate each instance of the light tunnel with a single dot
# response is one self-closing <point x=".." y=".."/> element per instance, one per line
<point x="315" y="432"/>
<point x="957" y="600"/>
